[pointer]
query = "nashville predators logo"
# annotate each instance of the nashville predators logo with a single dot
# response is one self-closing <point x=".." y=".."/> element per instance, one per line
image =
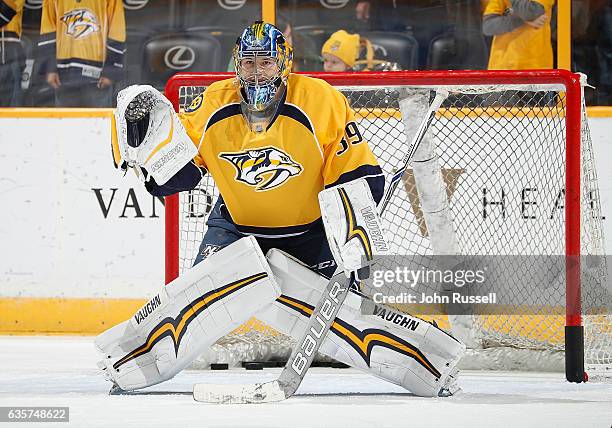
<point x="195" y="104"/>
<point x="335" y="46"/>
<point x="264" y="168"/>
<point x="80" y="23"/>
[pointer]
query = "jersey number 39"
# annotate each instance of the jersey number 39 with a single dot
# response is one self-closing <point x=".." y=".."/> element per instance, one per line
<point x="352" y="136"/>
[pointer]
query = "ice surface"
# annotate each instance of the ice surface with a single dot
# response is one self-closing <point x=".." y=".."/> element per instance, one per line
<point x="61" y="371"/>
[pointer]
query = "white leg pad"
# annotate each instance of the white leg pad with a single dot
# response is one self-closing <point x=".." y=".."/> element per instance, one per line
<point x="396" y="347"/>
<point x="187" y="316"/>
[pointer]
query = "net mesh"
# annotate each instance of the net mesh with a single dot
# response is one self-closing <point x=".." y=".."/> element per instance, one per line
<point x="501" y="154"/>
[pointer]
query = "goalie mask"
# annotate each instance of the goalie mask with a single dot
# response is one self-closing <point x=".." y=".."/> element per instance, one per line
<point x="263" y="61"/>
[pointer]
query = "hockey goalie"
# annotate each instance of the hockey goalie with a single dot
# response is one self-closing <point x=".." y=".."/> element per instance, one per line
<point x="299" y="188"/>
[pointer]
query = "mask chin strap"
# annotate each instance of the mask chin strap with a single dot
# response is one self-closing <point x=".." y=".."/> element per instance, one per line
<point x="259" y="120"/>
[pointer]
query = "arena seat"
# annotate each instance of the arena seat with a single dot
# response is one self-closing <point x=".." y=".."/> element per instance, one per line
<point x="227" y="38"/>
<point x="396" y="47"/>
<point x="143" y="19"/>
<point x="166" y="54"/>
<point x="450" y="51"/>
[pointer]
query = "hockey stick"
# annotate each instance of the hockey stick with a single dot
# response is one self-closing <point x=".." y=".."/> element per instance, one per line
<point x="319" y="322"/>
<point x="300" y="360"/>
<point x="416" y="141"/>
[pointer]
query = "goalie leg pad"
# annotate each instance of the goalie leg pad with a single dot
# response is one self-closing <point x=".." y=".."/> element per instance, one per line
<point x="396" y="347"/>
<point x="187" y="316"/>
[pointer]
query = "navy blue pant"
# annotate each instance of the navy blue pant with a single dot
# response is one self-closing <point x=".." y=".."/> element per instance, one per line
<point x="310" y="247"/>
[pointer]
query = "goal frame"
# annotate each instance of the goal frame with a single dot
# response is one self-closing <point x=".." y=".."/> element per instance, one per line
<point x="574" y="330"/>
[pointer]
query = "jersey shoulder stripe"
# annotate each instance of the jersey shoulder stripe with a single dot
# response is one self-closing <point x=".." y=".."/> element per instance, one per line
<point x="295" y="113"/>
<point x="223" y="113"/>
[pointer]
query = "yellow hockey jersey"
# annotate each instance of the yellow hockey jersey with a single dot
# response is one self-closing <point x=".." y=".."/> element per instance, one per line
<point x="269" y="181"/>
<point x="525" y="47"/>
<point x="11" y="12"/>
<point x="86" y="37"/>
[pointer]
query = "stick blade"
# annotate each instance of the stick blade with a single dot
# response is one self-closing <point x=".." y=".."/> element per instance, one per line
<point x="268" y="392"/>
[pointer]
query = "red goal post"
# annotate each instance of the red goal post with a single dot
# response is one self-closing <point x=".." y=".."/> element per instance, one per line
<point x="572" y="109"/>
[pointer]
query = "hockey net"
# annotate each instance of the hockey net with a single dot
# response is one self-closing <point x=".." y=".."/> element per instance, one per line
<point x="515" y="157"/>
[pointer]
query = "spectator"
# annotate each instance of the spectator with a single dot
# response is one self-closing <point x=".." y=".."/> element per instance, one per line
<point x="521" y="34"/>
<point x="340" y="51"/>
<point x="12" y="57"/>
<point x="350" y="52"/>
<point x="84" y="43"/>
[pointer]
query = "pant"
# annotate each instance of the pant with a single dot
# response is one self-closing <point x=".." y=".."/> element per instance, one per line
<point x="11" y="94"/>
<point x="311" y="247"/>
